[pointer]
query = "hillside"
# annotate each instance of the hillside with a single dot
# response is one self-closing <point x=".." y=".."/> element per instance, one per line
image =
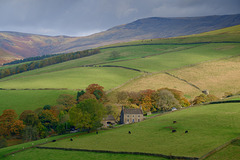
<point x="191" y="62"/>
<point x="208" y="126"/>
<point x="23" y="45"/>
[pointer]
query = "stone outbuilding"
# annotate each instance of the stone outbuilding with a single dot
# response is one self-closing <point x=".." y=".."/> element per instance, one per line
<point x="108" y="121"/>
<point x="131" y="115"/>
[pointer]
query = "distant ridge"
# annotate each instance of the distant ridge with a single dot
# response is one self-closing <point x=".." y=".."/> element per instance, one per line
<point x="15" y="45"/>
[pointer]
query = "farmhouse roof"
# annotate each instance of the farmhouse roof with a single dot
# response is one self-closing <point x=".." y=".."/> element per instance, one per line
<point x="132" y="111"/>
<point x="109" y="118"/>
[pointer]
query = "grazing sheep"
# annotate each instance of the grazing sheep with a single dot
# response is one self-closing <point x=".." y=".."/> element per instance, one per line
<point x="186" y="131"/>
<point x="129" y="132"/>
<point x="174" y="131"/>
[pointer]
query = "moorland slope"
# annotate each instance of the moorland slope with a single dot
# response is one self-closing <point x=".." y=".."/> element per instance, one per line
<point x="29" y="45"/>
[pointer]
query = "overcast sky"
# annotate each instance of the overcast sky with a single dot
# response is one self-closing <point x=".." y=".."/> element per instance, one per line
<point x="84" y="17"/>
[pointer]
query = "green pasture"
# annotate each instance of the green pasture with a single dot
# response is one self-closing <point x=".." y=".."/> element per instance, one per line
<point x="8" y="150"/>
<point x="125" y="53"/>
<point x="40" y="154"/>
<point x="132" y="52"/>
<point x="231" y="152"/>
<point x="187" y="57"/>
<point x="75" y="78"/>
<point x="21" y="100"/>
<point x="208" y="127"/>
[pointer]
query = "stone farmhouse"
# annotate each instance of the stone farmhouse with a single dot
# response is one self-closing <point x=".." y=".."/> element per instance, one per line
<point x="131" y="115"/>
<point x="108" y="121"/>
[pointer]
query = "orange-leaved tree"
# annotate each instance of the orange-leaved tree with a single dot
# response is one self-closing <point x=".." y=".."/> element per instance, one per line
<point x="9" y="125"/>
<point x="96" y="90"/>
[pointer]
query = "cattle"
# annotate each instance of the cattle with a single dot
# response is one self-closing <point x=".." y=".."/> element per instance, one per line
<point x="54" y="140"/>
<point x="129" y="132"/>
<point x="186" y="131"/>
<point x="174" y="122"/>
<point x="174" y="130"/>
<point x="71" y="139"/>
<point x="97" y="132"/>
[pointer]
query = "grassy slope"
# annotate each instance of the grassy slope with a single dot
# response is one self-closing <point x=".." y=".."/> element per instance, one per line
<point x="231" y="152"/>
<point x="66" y="75"/>
<point x="218" y="77"/>
<point x="209" y="126"/>
<point x="8" y="150"/>
<point x="21" y="100"/>
<point x="125" y="54"/>
<point x="74" y="78"/>
<point x="157" y="81"/>
<point x="175" y="60"/>
<point x="33" y="154"/>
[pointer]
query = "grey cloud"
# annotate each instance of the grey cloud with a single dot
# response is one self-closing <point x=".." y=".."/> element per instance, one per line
<point x="82" y="17"/>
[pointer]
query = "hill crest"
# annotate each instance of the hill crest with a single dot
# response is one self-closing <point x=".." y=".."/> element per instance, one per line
<point x="30" y="45"/>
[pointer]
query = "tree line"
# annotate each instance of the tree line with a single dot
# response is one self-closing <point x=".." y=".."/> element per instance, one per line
<point x="85" y="111"/>
<point x="46" y="62"/>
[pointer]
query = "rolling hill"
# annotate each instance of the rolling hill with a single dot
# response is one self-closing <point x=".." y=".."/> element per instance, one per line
<point x="155" y="57"/>
<point x="209" y="126"/>
<point x="22" y="45"/>
<point x="209" y="60"/>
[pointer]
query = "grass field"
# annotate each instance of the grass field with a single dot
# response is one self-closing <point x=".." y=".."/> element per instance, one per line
<point x="157" y="81"/>
<point x="21" y="100"/>
<point x="209" y="126"/>
<point x="33" y="154"/>
<point x="75" y="78"/>
<point x="8" y="150"/>
<point x="178" y="59"/>
<point x="231" y="152"/>
<point x="217" y="76"/>
<point x="130" y="52"/>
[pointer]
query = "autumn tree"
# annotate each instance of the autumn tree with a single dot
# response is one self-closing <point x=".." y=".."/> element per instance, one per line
<point x="79" y="94"/>
<point x="17" y="128"/>
<point x="96" y="90"/>
<point x="166" y="100"/>
<point x="86" y="96"/>
<point x="87" y="114"/>
<point x="179" y="96"/>
<point x="9" y="125"/>
<point x="48" y="120"/>
<point x="147" y="100"/>
<point x="67" y="101"/>
<point x="202" y="98"/>
<point x="30" y="119"/>
<point x="122" y="96"/>
<point x="134" y="97"/>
